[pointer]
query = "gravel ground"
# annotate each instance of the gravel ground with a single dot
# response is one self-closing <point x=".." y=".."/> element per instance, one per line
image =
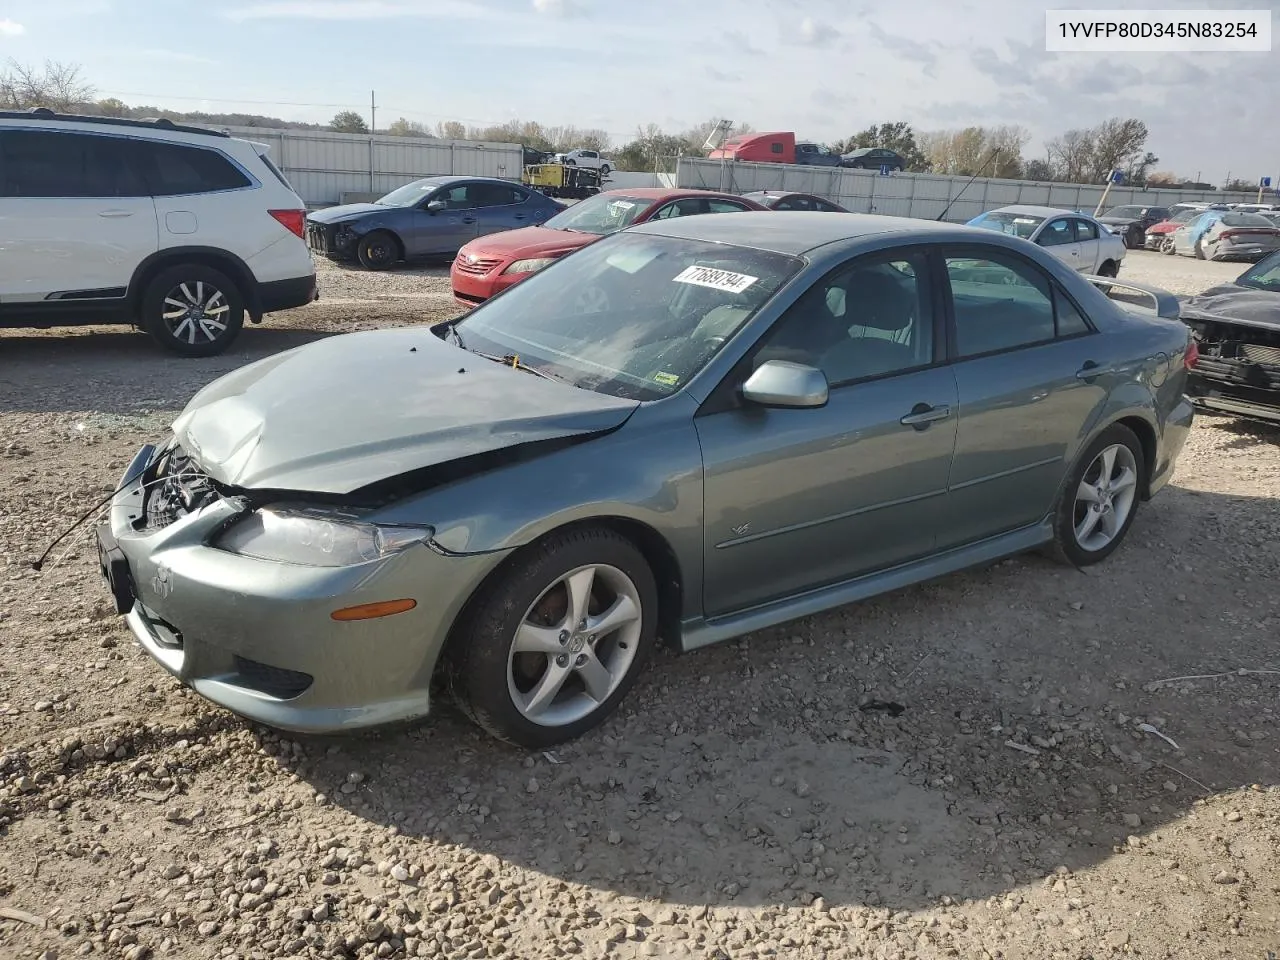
<point x="1077" y="764"/>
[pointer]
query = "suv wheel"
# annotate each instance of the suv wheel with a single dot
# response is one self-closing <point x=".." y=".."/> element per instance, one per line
<point x="192" y="310"/>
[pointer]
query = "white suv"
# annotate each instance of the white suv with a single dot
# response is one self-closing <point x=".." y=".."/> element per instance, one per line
<point x="179" y="230"/>
<point x="590" y="159"/>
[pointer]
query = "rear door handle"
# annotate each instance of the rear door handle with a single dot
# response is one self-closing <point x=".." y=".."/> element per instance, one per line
<point x="468" y="219"/>
<point x="115" y="214"/>
<point x="922" y="415"/>
<point x="1090" y="370"/>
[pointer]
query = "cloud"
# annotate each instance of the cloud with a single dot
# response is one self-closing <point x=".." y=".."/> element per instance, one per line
<point x="738" y="42"/>
<point x="721" y="76"/>
<point x="905" y="47"/>
<point x="9" y="28"/>
<point x="810" y="33"/>
<point x="356" y="10"/>
<point x="558" y="8"/>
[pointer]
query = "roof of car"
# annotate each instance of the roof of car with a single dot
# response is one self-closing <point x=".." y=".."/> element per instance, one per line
<point x="791" y="232"/>
<point x="663" y="193"/>
<point x="1034" y="211"/>
<point x="154" y="123"/>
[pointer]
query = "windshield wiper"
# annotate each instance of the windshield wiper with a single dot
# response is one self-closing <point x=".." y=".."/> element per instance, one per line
<point x="513" y="361"/>
<point x="457" y="337"/>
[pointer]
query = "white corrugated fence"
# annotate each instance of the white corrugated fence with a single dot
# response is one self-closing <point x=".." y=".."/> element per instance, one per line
<point x="923" y="195"/>
<point x="324" y="167"/>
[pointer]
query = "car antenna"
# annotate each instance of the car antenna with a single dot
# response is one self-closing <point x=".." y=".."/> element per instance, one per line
<point x="994" y="152"/>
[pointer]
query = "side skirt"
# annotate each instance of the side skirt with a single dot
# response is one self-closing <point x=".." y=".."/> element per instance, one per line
<point x="700" y="632"/>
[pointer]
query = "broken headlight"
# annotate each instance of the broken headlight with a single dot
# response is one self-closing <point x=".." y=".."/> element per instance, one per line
<point x="315" y="537"/>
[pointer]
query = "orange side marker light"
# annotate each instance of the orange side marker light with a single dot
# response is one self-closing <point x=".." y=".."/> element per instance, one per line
<point x="371" y="611"/>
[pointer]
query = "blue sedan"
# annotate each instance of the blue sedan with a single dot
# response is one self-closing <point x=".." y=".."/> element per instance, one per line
<point x="432" y="217"/>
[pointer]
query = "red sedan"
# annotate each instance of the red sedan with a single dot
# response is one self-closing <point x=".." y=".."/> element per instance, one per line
<point x="489" y="264"/>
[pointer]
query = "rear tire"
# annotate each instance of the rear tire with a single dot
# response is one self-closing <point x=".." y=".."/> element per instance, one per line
<point x="1100" y="498"/>
<point x="532" y="665"/>
<point x="1199" y="248"/>
<point x="192" y="310"/>
<point x="1109" y="269"/>
<point x="378" y="250"/>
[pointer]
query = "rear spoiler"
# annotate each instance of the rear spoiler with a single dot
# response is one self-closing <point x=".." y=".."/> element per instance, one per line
<point x="1139" y="296"/>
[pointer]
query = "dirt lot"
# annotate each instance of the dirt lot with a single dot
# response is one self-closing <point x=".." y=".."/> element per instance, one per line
<point x="747" y="801"/>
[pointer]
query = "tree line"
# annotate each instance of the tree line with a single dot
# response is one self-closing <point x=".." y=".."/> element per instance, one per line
<point x="1086" y="155"/>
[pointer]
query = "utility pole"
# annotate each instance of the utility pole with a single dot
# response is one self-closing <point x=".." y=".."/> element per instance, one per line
<point x="373" y="113"/>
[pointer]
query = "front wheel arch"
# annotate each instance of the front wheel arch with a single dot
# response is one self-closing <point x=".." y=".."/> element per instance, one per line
<point x="658" y="553"/>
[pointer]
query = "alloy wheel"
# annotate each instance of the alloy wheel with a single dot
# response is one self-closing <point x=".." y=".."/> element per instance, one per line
<point x="574" y="646"/>
<point x="195" y="312"/>
<point x="1105" y="497"/>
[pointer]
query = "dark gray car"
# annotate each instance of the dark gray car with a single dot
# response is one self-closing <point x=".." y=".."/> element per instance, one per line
<point x="432" y="217"/>
<point x="689" y="430"/>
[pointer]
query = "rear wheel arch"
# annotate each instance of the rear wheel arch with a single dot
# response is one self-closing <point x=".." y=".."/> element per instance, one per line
<point x="1146" y="435"/>
<point x="221" y="260"/>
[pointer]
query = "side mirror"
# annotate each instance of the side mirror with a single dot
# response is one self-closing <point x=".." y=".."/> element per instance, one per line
<point x="435" y="206"/>
<point x="782" y="383"/>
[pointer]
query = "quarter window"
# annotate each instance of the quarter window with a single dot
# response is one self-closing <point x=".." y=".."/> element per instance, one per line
<point x="47" y="164"/>
<point x="871" y="318"/>
<point x="724" y="206"/>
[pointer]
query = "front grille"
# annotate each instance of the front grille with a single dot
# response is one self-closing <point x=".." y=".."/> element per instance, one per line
<point x="273" y="681"/>
<point x="1260" y="354"/>
<point x="317" y="238"/>
<point x="476" y="268"/>
<point x="177" y="489"/>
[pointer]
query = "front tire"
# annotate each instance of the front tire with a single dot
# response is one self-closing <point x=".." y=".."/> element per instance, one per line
<point x="605" y="170"/>
<point x="1100" y="498"/>
<point x="192" y="310"/>
<point x="378" y="250"/>
<point x="1169" y="248"/>
<point x="548" y="651"/>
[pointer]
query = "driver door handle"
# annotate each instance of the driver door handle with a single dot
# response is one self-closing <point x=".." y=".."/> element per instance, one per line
<point x="922" y="415"/>
<point x="468" y="219"/>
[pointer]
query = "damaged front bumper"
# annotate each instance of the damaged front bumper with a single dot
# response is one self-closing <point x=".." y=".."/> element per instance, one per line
<point x="1238" y="370"/>
<point x="336" y="241"/>
<point x="257" y="636"/>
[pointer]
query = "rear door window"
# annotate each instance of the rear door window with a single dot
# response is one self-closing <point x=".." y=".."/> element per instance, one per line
<point x="177" y="170"/>
<point x="1056" y="233"/>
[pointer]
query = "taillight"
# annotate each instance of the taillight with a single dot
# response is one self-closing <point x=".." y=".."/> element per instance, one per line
<point x="295" y="221"/>
<point x="1228" y="233"/>
<point x="1192" y="354"/>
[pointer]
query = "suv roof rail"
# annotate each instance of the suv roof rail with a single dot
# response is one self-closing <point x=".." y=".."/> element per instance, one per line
<point x="160" y="123"/>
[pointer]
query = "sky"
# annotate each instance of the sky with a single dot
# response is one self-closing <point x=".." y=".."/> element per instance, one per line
<point x="823" y="68"/>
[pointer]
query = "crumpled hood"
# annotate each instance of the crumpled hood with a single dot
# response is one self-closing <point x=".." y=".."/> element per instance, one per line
<point x="350" y="410"/>
<point x="528" y="242"/>
<point x="347" y="211"/>
<point x="1257" y="308"/>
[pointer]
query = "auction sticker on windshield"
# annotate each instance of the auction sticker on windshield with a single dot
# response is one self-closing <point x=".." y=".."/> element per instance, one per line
<point x="715" y="279"/>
